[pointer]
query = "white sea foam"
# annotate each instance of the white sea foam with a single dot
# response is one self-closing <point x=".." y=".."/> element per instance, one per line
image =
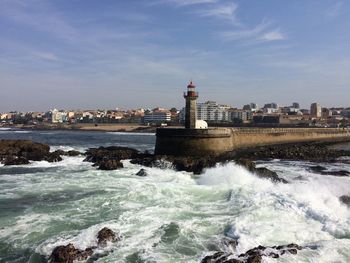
<point x="226" y="199"/>
<point x="16" y="131"/>
<point x="296" y="212"/>
<point x="67" y="148"/>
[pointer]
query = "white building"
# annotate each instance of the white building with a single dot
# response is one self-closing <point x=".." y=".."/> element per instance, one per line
<point x="243" y="115"/>
<point x="212" y="112"/>
<point x="315" y="110"/>
<point x="157" y="116"/>
<point x="58" y="116"/>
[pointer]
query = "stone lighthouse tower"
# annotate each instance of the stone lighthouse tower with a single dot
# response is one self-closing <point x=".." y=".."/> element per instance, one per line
<point x="191" y="106"/>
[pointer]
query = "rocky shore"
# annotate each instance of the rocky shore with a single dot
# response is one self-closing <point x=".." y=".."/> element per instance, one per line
<point x="316" y="152"/>
<point x="69" y="253"/>
<point x="254" y="255"/>
<point x="16" y="152"/>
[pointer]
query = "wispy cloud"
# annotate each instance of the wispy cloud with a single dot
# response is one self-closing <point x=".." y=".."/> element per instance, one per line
<point x="260" y="33"/>
<point x="335" y="10"/>
<point x="38" y="15"/>
<point x="273" y="36"/>
<point x="223" y="11"/>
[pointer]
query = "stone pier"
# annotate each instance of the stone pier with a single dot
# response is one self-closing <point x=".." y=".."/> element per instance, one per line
<point x="215" y="141"/>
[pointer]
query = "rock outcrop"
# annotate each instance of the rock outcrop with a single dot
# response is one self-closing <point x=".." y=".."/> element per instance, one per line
<point x="261" y="172"/>
<point x="106" y="235"/>
<point x="53" y="157"/>
<point x="110" y="164"/>
<point x="73" y="153"/>
<point x="12" y="160"/>
<point x="188" y="163"/>
<point x="16" y="152"/>
<point x="69" y="253"/>
<point x="142" y="173"/>
<point x="20" y="150"/>
<point x="254" y="255"/>
<point x="323" y="170"/>
<point x="345" y="199"/>
<point x="297" y="151"/>
<point x="96" y="155"/>
<point x="108" y="158"/>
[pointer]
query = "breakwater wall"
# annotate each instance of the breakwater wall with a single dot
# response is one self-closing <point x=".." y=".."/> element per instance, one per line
<point x="214" y="141"/>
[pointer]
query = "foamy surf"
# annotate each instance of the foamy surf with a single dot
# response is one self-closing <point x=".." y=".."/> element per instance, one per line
<point x="168" y="216"/>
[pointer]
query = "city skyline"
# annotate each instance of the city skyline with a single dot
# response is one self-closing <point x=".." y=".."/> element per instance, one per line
<point x="84" y="54"/>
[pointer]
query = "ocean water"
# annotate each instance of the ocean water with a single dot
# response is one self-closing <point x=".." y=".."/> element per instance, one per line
<point x="167" y="216"/>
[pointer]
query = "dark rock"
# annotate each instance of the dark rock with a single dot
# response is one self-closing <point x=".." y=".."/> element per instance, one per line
<point x="345" y="199"/>
<point x="296" y="151"/>
<point x="188" y="164"/>
<point x="254" y="255"/>
<point x="267" y="174"/>
<point x="336" y="173"/>
<point x="148" y="161"/>
<point x="192" y="164"/>
<point x="53" y="157"/>
<point x="97" y="155"/>
<point x="60" y="152"/>
<point x="73" y="153"/>
<point x="110" y="165"/>
<point x="142" y="172"/>
<point x="250" y="165"/>
<point x="23" y="148"/>
<point x="254" y="259"/>
<point x="15" y="161"/>
<point x="218" y="257"/>
<point x="318" y="168"/>
<point x="68" y="253"/>
<point x="106" y="235"/>
<point x="261" y="172"/>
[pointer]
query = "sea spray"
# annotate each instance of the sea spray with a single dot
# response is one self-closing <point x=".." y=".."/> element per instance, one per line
<point x="167" y="216"/>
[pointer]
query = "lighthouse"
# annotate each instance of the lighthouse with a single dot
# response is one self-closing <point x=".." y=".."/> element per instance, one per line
<point x="191" y="106"/>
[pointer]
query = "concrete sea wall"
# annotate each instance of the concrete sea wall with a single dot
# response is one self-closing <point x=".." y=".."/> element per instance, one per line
<point x="214" y="141"/>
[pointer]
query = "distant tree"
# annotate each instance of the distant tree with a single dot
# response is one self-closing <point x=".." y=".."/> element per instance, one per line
<point x="173" y="110"/>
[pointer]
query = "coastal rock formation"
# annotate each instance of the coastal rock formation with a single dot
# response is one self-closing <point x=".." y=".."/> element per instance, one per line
<point x="68" y="253"/>
<point x="254" y="255"/>
<point x="323" y="170"/>
<point x="261" y="172"/>
<point x="345" y="199"/>
<point x="73" y="153"/>
<point x="12" y="160"/>
<point x="298" y="151"/>
<point x="53" y="157"/>
<point x="106" y="235"/>
<point x="141" y="173"/>
<point x="198" y="164"/>
<point x="109" y="164"/>
<point x="188" y="164"/>
<point x="108" y="158"/>
<point x="16" y="152"/>
<point x="68" y="153"/>
<point x="23" y="149"/>
<point x="96" y="155"/>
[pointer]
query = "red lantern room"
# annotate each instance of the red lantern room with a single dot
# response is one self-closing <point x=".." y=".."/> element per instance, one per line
<point x="191" y="90"/>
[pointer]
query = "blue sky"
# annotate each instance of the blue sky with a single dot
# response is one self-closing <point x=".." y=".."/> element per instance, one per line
<point x="141" y="53"/>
